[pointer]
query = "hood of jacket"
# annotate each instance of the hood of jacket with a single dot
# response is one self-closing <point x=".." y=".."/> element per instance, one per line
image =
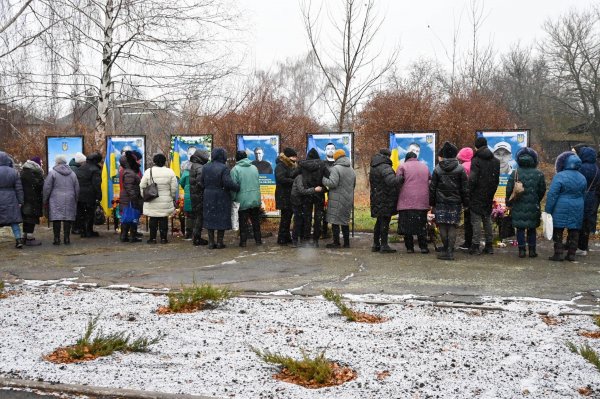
<point x="32" y="165"/>
<point x="448" y="165"/>
<point x="200" y="157"/>
<point x="573" y="163"/>
<point x="73" y="163"/>
<point x="484" y="153"/>
<point x="527" y="158"/>
<point x="5" y="159"/>
<point x="285" y="160"/>
<point x="379" y="159"/>
<point x="244" y="163"/>
<point x="465" y="154"/>
<point x="311" y="165"/>
<point x="94" y="158"/>
<point x="218" y="155"/>
<point x="561" y="161"/>
<point x="344" y="161"/>
<point x="587" y="155"/>
<point x="313" y="154"/>
<point x="63" y="169"/>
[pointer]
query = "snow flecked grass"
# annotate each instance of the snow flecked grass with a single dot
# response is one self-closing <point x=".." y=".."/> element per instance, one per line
<point x="422" y="351"/>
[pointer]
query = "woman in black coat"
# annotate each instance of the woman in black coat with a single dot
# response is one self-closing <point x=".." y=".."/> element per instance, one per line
<point x="217" y="184"/>
<point x="32" y="180"/>
<point x="89" y="176"/>
<point x="285" y="173"/>
<point x="384" y="195"/>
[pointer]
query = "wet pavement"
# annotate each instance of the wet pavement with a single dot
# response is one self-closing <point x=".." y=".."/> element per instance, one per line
<point x="305" y="271"/>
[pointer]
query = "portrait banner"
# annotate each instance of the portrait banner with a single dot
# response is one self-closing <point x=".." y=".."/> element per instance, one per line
<point x="183" y="147"/>
<point x="66" y="146"/>
<point x="263" y="151"/>
<point x="505" y="145"/>
<point x="327" y="143"/>
<point x="420" y="143"/>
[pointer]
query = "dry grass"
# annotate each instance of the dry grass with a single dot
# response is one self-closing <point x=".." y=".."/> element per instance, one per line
<point x="195" y="298"/>
<point x="309" y="372"/>
<point x="587" y="352"/>
<point x="350" y="314"/>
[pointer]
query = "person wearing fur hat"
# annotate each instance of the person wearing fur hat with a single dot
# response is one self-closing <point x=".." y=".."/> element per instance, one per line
<point x="591" y="172"/>
<point x="61" y="192"/>
<point x="383" y="196"/>
<point x="11" y="198"/>
<point x="413" y="202"/>
<point x="90" y="180"/>
<point x="32" y="180"/>
<point x="565" y="202"/>
<point x="465" y="155"/>
<point x="286" y="170"/>
<point x="525" y="210"/>
<point x="312" y="170"/>
<point x="340" y="183"/>
<point x="245" y="175"/>
<point x="131" y="195"/>
<point x="448" y="193"/>
<point x="483" y="184"/>
<point x="197" y="162"/>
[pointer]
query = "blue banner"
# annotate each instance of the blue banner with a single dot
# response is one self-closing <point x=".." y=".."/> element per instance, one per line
<point x="66" y="146"/>
<point x="327" y="143"/>
<point x="421" y="143"/>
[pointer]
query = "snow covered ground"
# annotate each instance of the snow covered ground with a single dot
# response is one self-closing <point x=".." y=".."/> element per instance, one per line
<point x="429" y="351"/>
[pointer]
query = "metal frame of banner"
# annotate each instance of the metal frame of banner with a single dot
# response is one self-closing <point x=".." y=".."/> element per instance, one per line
<point x="507" y="131"/>
<point x="353" y="157"/>
<point x="278" y="151"/>
<point x="60" y="137"/>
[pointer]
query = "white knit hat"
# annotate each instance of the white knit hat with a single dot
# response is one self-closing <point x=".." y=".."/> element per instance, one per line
<point x="79" y="157"/>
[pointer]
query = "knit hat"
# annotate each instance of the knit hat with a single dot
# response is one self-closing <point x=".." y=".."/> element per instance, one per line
<point x="80" y="158"/>
<point x="480" y="142"/>
<point x="386" y="152"/>
<point x="448" y="150"/>
<point x="60" y="160"/>
<point x="313" y="154"/>
<point x="137" y="154"/>
<point x="239" y="155"/>
<point x="289" y="152"/>
<point x="465" y="154"/>
<point x="37" y="160"/>
<point x="159" y="160"/>
<point x="338" y="154"/>
<point x="409" y="155"/>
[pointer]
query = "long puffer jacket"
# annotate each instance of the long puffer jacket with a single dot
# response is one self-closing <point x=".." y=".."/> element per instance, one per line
<point x="32" y="180"/>
<point x="449" y="184"/>
<point x="11" y="192"/>
<point x="384" y="186"/>
<point x="565" y="201"/>
<point x="90" y="180"/>
<point x="245" y="175"/>
<point x="591" y="172"/>
<point x="198" y="160"/>
<point x="61" y="191"/>
<point x="526" y="210"/>
<point x="483" y="181"/>
<point x="130" y="183"/>
<point x="286" y="171"/>
<point x="166" y="181"/>
<point x="217" y="183"/>
<point x="313" y="170"/>
<point x="340" y="183"/>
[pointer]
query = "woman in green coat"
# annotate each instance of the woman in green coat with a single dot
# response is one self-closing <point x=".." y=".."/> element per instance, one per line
<point x="525" y="210"/>
<point x="190" y="217"/>
<point x="246" y="176"/>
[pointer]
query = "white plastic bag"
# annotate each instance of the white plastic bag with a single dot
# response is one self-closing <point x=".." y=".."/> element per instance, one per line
<point x="548" y="225"/>
<point x="235" y="221"/>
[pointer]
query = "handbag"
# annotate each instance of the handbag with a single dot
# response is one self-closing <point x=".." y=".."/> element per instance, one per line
<point x="506" y="227"/>
<point x="548" y="225"/>
<point x="130" y="215"/>
<point x="518" y="189"/>
<point x="99" y="216"/>
<point x="151" y="190"/>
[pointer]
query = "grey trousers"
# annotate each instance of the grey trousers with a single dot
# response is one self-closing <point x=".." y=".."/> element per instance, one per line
<point x="476" y="221"/>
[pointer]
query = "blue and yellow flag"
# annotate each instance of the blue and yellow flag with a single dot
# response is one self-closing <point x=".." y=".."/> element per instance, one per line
<point x="109" y="171"/>
<point x="394" y="151"/>
<point x="175" y="161"/>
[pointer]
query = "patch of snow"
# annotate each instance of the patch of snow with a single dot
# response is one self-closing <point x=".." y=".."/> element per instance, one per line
<point x="229" y="262"/>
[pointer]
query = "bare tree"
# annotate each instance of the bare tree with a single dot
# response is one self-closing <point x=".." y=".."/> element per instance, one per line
<point x="479" y="66"/>
<point x="572" y="49"/>
<point x="350" y="65"/>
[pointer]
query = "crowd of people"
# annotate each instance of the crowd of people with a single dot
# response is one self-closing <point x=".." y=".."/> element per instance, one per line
<point x="314" y="193"/>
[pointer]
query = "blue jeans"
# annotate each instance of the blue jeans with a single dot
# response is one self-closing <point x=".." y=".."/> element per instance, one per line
<point x="16" y="229"/>
<point x="530" y="237"/>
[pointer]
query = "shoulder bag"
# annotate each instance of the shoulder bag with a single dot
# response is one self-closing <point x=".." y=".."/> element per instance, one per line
<point x="151" y="190"/>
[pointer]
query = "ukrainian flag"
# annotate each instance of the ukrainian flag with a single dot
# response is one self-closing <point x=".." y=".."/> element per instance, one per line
<point x="175" y="161"/>
<point x="394" y="150"/>
<point x="108" y="172"/>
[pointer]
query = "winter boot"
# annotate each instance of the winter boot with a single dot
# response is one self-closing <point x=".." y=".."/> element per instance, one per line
<point x="211" y="239"/>
<point x="385" y="247"/>
<point x="346" y="235"/>
<point x="335" y="230"/>
<point x="134" y="235"/>
<point x="188" y="234"/>
<point x="220" y="237"/>
<point x="489" y="248"/>
<point x="409" y="243"/>
<point x="56" y="231"/>
<point x="19" y="243"/>
<point x="67" y="236"/>
<point x="532" y="252"/>
<point x="423" y="244"/>
<point x="125" y="232"/>
<point x="474" y="250"/>
<point x="522" y="252"/>
<point x="558" y="252"/>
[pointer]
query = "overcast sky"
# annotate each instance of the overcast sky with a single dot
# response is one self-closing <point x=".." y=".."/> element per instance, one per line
<point x="422" y="28"/>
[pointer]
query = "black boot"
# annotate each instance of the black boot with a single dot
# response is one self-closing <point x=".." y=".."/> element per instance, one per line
<point x="423" y="244"/>
<point x="125" y="232"/>
<point x="163" y="237"/>
<point x="489" y="248"/>
<point x="211" y="239"/>
<point x="385" y="248"/>
<point x="532" y="252"/>
<point x="558" y="252"/>
<point x="474" y="250"/>
<point x="409" y="243"/>
<point x="220" y="236"/>
<point x="134" y="236"/>
<point x="67" y="235"/>
<point x="56" y="231"/>
<point x="346" y="236"/>
<point x="522" y="252"/>
<point x="335" y="231"/>
<point x="19" y="243"/>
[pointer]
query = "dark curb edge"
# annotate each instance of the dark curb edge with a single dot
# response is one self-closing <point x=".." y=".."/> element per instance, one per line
<point x="98" y="392"/>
